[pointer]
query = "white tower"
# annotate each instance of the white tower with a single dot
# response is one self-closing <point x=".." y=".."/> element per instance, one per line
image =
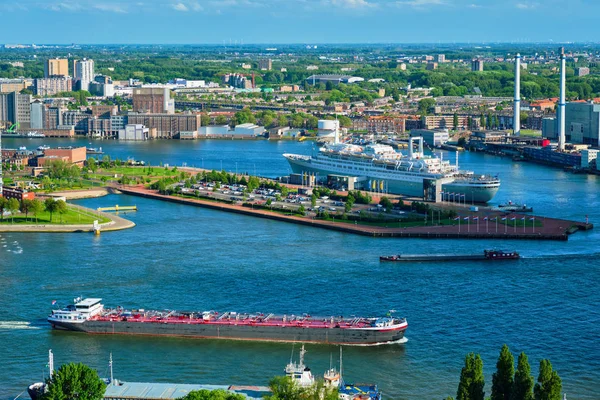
<point x="561" y="102"/>
<point x="517" y="106"/>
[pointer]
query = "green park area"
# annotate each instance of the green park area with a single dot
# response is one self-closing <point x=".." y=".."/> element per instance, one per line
<point x="50" y="211"/>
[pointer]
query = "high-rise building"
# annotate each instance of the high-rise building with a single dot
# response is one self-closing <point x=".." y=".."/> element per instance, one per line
<point x="52" y="86"/>
<point x="153" y="100"/>
<point x="15" y="108"/>
<point x="441" y="58"/>
<point x="477" y="65"/>
<point x="37" y="115"/>
<point x="56" y="67"/>
<point x="582" y="71"/>
<point x="83" y="72"/>
<point x="265" y="64"/>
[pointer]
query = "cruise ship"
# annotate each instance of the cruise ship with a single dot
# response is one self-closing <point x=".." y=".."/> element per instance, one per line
<point x="380" y="168"/>
<point x="90" y="316"/>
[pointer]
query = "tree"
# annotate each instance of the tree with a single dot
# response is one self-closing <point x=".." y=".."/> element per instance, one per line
<point x="13" y="207"/>
<point x="3" y="207"/>
<point x="221" y="120"/>
<point x="36" y="208"/>
<point x="61" y="208"/>
<point x="425" y="105"/>
<point x="503" y="378"/>
<point x="302" y="210"/>
<point x="523" y="383"/>
<point x="92" y="164"/>
<point x="455" y="121"/>
<point x="26" y="207"/>
<point x="549" y="384"/>
<point x="313" y="200"/>
<point x="50" y="206"/>
<point x="386" y="203"/>
<point x="218" y="394"/>
<point x="482" y="121"/>
<point x="204" y="119"/>
<point x="74" y="381"/>
<point x="282" y="121"/>
<point x="471" y="382"/>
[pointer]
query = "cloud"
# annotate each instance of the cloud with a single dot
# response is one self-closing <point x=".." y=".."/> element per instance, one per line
<point x="352" y="3"/>
<point x="179" y="7"/>
<point x="110" y="7"/>
<point x="526" y="6"/>
<point x="421" y="3"/>
<point x="187" y="5"/>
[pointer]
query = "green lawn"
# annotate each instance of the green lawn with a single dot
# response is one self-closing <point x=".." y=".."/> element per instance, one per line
<point x="531" y="132"/>
<point x="73" y="216"/>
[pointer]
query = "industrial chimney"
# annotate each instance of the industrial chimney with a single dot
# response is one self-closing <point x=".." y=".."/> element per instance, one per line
<point x="517" y="106"/>
<point x="561" y="102"/>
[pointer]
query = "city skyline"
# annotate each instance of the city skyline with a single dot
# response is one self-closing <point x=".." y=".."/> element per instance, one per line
<point x="316" y="21"/>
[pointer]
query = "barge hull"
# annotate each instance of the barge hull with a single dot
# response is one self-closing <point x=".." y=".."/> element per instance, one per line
<point x="239" y="332"/>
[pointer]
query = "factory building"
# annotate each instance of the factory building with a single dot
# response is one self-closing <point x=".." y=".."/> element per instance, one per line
<point x="432" y="137"/>
<point x="333" y="78"/>
<point x="154" y="100"/>
<point x="582" y="124"/>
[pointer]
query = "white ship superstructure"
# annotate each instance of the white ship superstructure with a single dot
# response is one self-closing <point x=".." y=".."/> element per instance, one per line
<point x="380" y="168"/>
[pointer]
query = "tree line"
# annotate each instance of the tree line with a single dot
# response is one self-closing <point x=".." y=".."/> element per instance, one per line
<point x="34" y="207"/>
<point x="508" y="383"/>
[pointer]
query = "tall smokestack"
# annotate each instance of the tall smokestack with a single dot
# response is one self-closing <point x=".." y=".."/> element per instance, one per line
<point x="517" y="106"/>
<point x="561" y="102"/>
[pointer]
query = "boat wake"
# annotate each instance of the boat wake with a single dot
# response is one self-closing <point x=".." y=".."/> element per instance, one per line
<point x="399" y="341"/>
<point x="17" y="325"/>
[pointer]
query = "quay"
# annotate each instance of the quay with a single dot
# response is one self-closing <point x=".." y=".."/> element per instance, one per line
<point x="118" y="208"/>
<point x="552" y="229"/>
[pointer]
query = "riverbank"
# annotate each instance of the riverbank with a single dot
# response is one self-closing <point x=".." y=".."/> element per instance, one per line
<point x="81" y="194"/>
<point x="115" y="223"/>
<point x="551" y="229"/>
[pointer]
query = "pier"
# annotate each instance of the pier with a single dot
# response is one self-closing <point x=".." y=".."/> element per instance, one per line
<point x="117" y="208"/>
<point x="552" y="229"/>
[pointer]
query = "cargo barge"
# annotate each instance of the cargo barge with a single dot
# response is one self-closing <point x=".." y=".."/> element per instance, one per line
<point x="90" y="316"/>
<point x="487" y="255"/>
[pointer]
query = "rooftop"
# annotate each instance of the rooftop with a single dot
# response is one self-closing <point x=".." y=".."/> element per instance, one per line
<point x="167" y="391"/>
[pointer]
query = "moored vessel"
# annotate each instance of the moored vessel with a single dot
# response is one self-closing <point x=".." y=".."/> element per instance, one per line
<point x="90" y="316"/>
<point x="487" y="255"/>
<point x="380" y="168"/>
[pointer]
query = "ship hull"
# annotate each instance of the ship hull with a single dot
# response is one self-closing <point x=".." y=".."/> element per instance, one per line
<point x="412" y="186"/>
<point x="239" y="332"/>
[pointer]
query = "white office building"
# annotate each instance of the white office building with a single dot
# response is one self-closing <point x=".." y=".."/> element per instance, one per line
<point x="83" y="72"/>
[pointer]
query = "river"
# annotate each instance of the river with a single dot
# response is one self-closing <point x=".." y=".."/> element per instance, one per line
<point x="181" y="257"/>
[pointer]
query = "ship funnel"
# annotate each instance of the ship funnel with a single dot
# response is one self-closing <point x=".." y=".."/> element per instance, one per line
<point x="420" y="139"/>
<point x="561" y="102"/>
<point x="517" y="105"/>
<point x="411" y="143"/>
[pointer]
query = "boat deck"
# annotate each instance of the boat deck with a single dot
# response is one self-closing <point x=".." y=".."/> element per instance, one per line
<point x="228" y="320"/>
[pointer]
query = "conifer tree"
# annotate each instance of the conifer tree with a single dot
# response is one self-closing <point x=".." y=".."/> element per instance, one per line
<point x="523" y="384"/>
<point x="549" y="384"/>
<point x="472" y="381"/>
<point x="502" y="380"/>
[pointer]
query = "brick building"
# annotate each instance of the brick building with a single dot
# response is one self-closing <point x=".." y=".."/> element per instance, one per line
<point x="167" y="125"/>
<point x="155" y="100"/>
<point x="16" y="193"/>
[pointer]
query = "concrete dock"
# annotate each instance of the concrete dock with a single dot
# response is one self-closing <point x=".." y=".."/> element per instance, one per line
<point x="551" y="229"/>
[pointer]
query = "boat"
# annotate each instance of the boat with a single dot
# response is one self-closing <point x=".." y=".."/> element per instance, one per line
<point x="513" y="207"/>
<point x="22" y="148"/>
<point x="302" y="376"/>
<point x="36" y="390"/>
<point x="94" y="150"/>
<point x="487" y="255"/>
<point x="43" y="147"/>
<point x="380" y="168"/>
<point x="350" y="391"/>
<point x="90" y="316"/>
<point x="35" y="135"/>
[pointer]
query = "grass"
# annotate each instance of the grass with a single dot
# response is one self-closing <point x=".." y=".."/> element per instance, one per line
<point x="73" y="216"/>
<point x="531" y="132"/>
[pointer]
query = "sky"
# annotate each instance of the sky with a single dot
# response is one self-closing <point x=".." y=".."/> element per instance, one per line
<point x="297" y="21"/>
